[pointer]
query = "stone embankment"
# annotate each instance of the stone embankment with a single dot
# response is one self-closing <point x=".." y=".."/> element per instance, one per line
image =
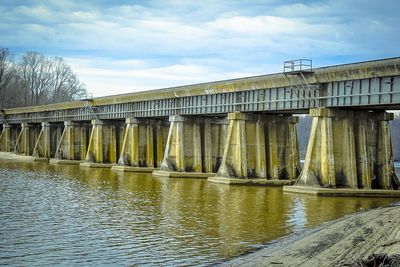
<point x="348" y="241"/>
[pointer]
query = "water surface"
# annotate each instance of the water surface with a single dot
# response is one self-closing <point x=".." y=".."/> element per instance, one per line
<point x="73" y="216"/>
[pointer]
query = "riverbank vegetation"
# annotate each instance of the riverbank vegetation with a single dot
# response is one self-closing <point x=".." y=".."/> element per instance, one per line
<point x="34" y="79"/>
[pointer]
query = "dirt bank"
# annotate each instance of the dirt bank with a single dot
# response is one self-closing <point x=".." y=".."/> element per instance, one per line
<point x="337" y="243"/>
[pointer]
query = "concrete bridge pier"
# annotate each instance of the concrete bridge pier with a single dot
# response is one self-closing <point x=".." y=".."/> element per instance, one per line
<point x="5" y="138"/>
<point x="348" y="149"/>
<point x="104" y="144"/>
<point x="42" y="150"/>
<point x="71" y="144"/>
<point x="259" y="149"/>
<point x="213" y="143"/>
<point x="188" y="151"/>
<point x="140" y="146"/>
<point x="26" y="139"/>
<point x="47" y="141"/>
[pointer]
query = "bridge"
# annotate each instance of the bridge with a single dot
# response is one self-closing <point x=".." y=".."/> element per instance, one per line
<point x="233" y="131"/>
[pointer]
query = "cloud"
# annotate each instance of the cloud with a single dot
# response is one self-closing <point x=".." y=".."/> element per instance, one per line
<point x="152" y="44"/>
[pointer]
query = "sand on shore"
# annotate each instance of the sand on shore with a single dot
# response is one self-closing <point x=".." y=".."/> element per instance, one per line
<point x="336" y="243"/>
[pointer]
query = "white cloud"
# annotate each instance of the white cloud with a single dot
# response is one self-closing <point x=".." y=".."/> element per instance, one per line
<point x="165" y="43"/>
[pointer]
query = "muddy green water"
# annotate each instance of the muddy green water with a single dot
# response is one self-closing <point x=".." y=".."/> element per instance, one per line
<point x="65" y="215"/>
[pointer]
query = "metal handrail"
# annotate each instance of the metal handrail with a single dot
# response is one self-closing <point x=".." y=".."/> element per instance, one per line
<point x="297" y="65"/>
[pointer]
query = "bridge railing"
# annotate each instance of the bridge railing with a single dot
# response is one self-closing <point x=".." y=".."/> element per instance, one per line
<point x="297" y="65"/>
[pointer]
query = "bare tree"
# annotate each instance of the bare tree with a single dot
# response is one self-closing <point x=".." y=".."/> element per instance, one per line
<point x="7" y="72"/>
<point x="48" y="80"/>
<point x="36" y="77"/>
<point x="66" y="85"/>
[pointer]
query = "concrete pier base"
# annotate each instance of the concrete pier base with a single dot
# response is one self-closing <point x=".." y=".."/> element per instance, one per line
<point x="342" y="192"/>
<point x="120" y="168"/>
<point x="249" y="181"/>
<point x="172" y="174"/>
<point x="19" y="157"/>
<point x="95" y="165"/>
<point x="64" y="162"/>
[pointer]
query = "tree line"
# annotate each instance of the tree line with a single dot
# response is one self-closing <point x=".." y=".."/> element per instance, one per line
<point x="34" y="79"/>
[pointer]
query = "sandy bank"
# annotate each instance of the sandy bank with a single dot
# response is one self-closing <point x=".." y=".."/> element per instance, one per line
<point x="335" y="243"/>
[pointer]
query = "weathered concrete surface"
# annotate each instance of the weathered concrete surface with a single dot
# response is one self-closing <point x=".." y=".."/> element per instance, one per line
<point x="193" y="146"/>
<point x="47" y="142"/>
<point x="335" y="243"/>
<point x="42" y="146"/>
<point x="342" y="192"/>
<point x="143" y="144"/>
<point x="72" y="144"/>
<point x="349" y="149"/>
<point x="5" y="138"/>
<point x="260" y="147"/>
<point x="103" y="144"/>
<point x="26" y="139"/>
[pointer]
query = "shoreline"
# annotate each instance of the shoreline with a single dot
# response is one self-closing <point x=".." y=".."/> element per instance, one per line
<point x="339" y="242"/>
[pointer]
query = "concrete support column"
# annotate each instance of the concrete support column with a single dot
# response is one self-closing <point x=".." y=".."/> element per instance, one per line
<point x="42" y="146"/>
<point x="282" y="153"/>
<point x="5" y="138"/>
<point x="292" y="157"/>
<point x="386" y="175"/>
<point x="130" y="145"/>
<point x="161" y="133"/>
<point x="102" y="144"/>
<point x="71" y="145"/>
<point x="259" y="149"/>
<point x="213" y="143"/>
<point x="349" y="149"/>
<point x="23" y="143"/>
<point x="234" y="159"/>
<point x="137" y="152"/>
<point x="183" y="148"/>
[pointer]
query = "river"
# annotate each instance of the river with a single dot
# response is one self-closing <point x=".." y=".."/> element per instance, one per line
<point x="67" y="215"/>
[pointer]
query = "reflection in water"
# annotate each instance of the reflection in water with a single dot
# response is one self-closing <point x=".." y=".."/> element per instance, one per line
<point x="70" y="215"/>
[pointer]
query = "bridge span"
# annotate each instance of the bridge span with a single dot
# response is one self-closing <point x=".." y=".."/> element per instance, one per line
<point x="233" y="131"/>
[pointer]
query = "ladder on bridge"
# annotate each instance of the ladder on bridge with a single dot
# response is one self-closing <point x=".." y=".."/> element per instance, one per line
<point x="87" y="104"/>
<point x="295" y="72"/>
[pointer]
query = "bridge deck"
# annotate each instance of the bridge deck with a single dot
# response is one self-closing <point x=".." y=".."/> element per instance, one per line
<point x="364" y="85"/>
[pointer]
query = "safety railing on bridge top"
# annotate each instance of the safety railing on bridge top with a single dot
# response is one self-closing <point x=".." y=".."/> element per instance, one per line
<point x="297" y="65"/>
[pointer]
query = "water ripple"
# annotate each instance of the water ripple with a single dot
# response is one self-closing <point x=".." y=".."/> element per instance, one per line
<point x="53" y="215"/>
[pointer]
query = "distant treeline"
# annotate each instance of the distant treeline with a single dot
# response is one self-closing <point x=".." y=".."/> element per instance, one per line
<point x="304" y="125"/>
<point x="34" y="79"/>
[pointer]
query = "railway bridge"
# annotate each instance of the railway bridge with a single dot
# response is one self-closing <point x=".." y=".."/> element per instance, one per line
<point x="235" y="131"/>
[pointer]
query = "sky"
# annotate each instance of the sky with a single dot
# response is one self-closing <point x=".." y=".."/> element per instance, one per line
<point x="126" y="46"/>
